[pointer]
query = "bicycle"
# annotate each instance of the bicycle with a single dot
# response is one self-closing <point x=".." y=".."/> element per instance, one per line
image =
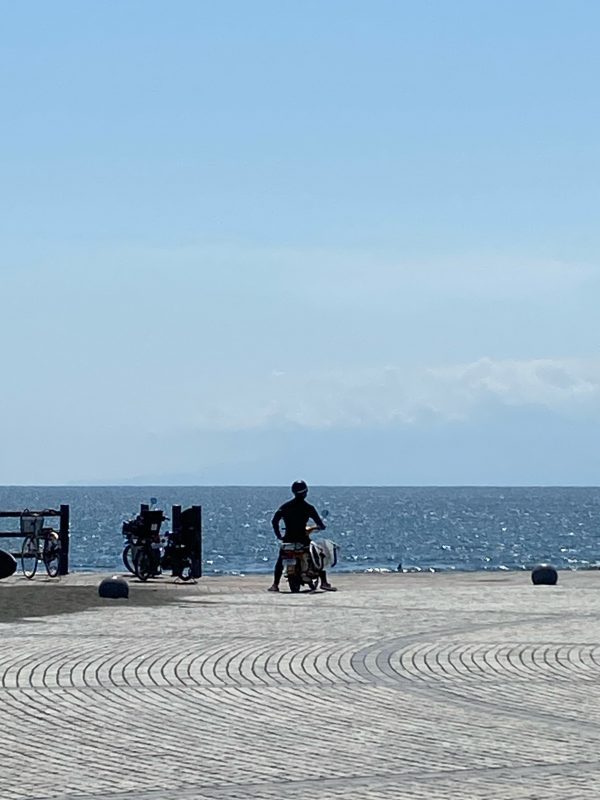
<point x="40" y="544"/>
<point x="142" y="551"/>
<point x="178" y="558"/>
<point x="146" y="557"/>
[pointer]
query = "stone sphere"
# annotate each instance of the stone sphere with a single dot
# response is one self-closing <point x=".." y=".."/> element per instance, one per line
<point x="8" y="564"/>
<point x="544" y="575"/>
<point x="116" y="588"/>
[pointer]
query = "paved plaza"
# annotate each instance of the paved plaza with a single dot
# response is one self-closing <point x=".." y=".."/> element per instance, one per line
<point x="397" y="686"/>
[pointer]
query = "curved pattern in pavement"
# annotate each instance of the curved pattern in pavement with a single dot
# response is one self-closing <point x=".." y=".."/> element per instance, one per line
<point x="216" y="719"/>
<point x="490" y="661"/>
<point x="255" y="663"/>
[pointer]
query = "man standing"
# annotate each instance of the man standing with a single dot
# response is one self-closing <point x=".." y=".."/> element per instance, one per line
<point x="295" y="515"/>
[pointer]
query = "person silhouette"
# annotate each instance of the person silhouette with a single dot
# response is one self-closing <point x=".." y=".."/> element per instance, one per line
<point x="295" y="514"/>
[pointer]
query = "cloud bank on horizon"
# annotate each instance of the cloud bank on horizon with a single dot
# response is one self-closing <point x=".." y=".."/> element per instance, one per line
<point x="395" y="396"/>
<point x="246" y="242"/>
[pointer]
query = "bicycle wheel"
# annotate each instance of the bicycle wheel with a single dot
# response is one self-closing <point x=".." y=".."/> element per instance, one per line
<point x="186" y="572"/>
<point x="51" y="556"/>
<point x="30" y="554"/>
<point x="143" y="564"/>
<point x="128" y="558"/>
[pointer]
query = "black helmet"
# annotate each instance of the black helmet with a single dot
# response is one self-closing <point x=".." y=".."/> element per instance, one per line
<point x="299" y="488"/>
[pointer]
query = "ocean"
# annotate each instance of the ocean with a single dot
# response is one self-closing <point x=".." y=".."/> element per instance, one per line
<point x="376" y="528"/>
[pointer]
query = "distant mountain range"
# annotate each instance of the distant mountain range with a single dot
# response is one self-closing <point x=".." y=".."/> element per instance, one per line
<point x="501" y="446"/>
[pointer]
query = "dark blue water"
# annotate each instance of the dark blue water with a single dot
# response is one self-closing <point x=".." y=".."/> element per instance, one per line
<point x="376" y="528"/>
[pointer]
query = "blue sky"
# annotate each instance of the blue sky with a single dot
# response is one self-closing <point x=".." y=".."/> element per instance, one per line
<point x="243" y="242"/>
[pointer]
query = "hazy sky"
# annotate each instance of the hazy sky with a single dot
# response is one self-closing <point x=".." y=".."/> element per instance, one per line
<point x="244" y="242"/>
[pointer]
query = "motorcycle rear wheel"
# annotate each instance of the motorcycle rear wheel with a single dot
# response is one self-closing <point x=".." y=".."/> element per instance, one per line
<point x="295" y="582"/>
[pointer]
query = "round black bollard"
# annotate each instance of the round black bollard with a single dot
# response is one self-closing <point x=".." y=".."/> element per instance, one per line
<point x="116" y="588"/>
<point x="544" y="575"/>
<point x="8" y="565"/>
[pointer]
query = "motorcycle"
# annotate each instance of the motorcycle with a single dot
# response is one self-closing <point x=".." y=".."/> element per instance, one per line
<point x="303" y="564"/>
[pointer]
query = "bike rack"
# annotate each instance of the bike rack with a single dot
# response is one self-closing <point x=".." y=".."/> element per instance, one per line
<point x="186" y="523"/>
<point x="32" y="522"/>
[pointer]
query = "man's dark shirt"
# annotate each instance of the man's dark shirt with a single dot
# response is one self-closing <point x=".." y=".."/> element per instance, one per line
<point x="295" y="515"/>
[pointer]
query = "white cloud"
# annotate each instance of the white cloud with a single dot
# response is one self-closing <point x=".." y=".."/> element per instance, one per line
<point x="396" y="396"/>
<point x="555" y="384"/>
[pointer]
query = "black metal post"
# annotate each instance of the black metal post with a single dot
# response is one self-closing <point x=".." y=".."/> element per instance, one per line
<point x="176" y="533"/>
<point x="176" y="519"/>
<point x="197" y="561"/>
<point x="63" y="533"/>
